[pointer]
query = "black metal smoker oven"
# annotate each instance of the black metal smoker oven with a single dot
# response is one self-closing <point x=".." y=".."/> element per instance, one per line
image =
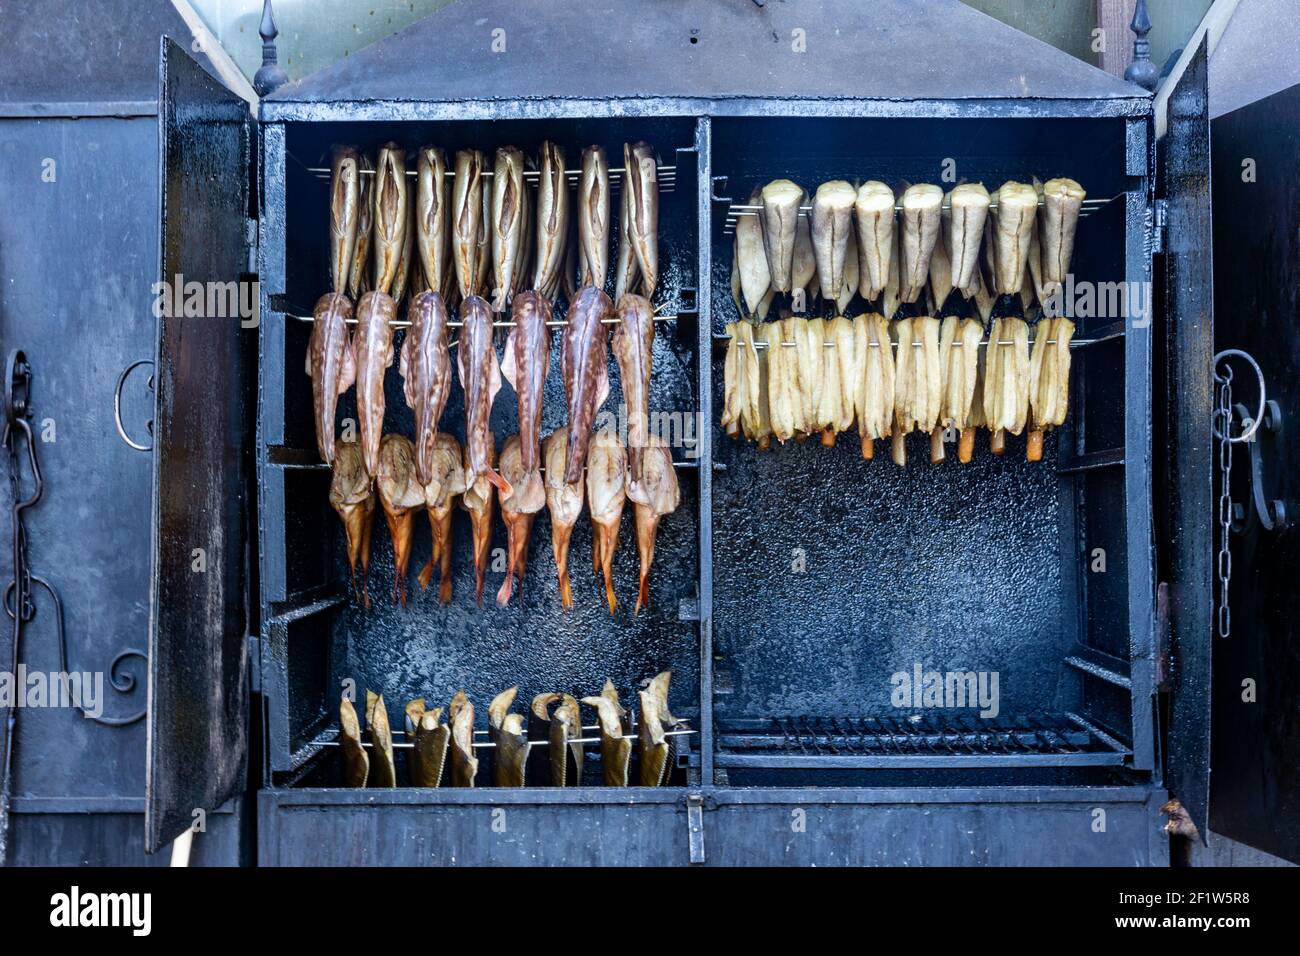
<point x="1043" y="573"/>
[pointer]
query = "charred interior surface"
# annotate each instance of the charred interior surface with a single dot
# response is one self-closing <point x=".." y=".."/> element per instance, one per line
<point x="833" y="574"/>
<point x="427" y="649"/>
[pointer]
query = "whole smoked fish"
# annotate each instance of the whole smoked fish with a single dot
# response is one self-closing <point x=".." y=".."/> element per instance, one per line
<point x="425" y="364"/>
<point x="519" y="523"/>
<point x="564" y="502"/>
<point x="358" y="280"/>
<point x="527" y="360"/>
<point x="446" y="482"/>
<point x="480" y="377"/>
<point x="480" y="503"/>
<point x="615" y="745"/>
<point x="400" y="492"/>
<point x="507" y="223"/>
<point x="658" y="488"/>
<point x="372" y="354"/>
<point x="552" y="221"/>
<point x="433" y="217"/>
<point x="634" y="349"/>
<point x="467" y="221"/>
<point x="352" y="495"/>
<point x="585" y="368"/>
<point x="391" y="207"/>
<point x="593" y="218"/>
<point x="345" y="196"/>
<point x="330" y="365"/>
<point x="641" y="184"/>
<point x="606" y="480"/>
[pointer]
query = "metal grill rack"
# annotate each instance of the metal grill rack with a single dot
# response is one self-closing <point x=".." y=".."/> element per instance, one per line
<point x="855" y="743"/>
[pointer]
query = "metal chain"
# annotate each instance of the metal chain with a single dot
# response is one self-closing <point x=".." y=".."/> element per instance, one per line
<point x="1223" y="419"/>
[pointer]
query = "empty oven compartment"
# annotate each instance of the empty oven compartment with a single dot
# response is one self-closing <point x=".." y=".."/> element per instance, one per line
<point x="837" y="582"/>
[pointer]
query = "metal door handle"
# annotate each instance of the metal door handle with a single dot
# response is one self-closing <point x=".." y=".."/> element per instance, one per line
<point x="117" y="406"/>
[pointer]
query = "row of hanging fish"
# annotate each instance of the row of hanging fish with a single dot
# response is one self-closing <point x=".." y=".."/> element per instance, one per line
<point x="554" y="723"/>
<point x="949" y="263"/>
<point x="464" y="230"/>
<point x="604" y="484"/>
<point x="794" y="377"/>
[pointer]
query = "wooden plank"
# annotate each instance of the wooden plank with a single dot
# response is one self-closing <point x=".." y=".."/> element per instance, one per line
<point x="1113" y="18"/>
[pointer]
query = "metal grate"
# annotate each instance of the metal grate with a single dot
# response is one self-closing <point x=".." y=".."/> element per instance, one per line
<point x="921" y="740"/>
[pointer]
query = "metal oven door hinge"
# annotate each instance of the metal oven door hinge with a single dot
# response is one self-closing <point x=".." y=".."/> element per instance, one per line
<point x="1158" y="226"/>
<point x="695" y="805"/>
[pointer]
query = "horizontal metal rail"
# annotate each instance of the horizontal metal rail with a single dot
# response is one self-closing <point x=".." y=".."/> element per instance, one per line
<point x="666" y="176"/>
<point x="404" y="324"/>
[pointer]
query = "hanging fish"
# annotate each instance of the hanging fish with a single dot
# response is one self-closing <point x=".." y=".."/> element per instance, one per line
<point x="356" y="765"/>
<point x="433" y="217"/>
<point x="1062" y="201"/>
<point x="400" y="493"/>
<point x="564" y="502"/>
<point x="873" y="212"/>
<point x="506" y="731"/>
<point x="606" y="493"/>
<point x="480" y="503"/>
<point x="464" y="765"/>
<point x="383" y="769"/>
<point x="968" y="210"/>
<point x="519" y="523"/>
<point x="372" y="355"/>
<point x="352" y="495"/>
<point x="641" y="183"/>
<point x="330" y="364"/>
<point x="480" y="377"/>
<point x="780" y="211"/>
<point x="425" y="364"/>
<point x="832" y="224"/>
<point x="447" y="480"/>
<point x="593" y="218"/>
<point x="921" y="217"/>
<point x="633" y="347"/>
<point x="615" y="747"/>
<point x="507" y="221"/>
<point x="552" y="220"/>
<point x="467" y="221"/>
<point x="751" y="255"/>
<point x="430" y="738"/>
<point x="391" y="207"/>
<point x="563" y="720"/>
<point x="358" y="280"/>
<point x="584" y="364"/>
<point x="659" y="495"/>
<point x="345" y="195"/>
<point x="527" y="361"/>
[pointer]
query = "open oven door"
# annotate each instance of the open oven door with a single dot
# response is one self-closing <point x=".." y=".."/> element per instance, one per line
<point x="1256" y="702"/>
<point x="198" y="673"/>
<point x="1186" y="510"/>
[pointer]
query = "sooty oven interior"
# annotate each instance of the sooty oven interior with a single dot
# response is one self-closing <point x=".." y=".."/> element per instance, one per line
<point x="831" y="574"/>
<point x="427" y="649"/>
<point x="828" y="574"/>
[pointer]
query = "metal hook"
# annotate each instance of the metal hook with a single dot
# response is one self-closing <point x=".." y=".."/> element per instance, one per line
<point x="1253" y="423"/>
<point x="117" y="406"/>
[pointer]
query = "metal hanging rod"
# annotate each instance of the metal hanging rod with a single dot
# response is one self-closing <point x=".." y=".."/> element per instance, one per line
<point x="736" y="210"/>
<point x="404" y="324"/>
<point x="665" y="175"/>
<point x="487" y="745"/>
<point x="1074" y="343"/>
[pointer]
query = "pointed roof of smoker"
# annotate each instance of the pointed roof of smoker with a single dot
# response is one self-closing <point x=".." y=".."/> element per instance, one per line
<point x="698" y="50"/>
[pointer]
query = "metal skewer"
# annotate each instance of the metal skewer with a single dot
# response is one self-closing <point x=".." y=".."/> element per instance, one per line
<point x="666" y="176"/>
<point x="1074" y="343"/>
<point x="487" y="745"/>
<point x="404" y="324"/>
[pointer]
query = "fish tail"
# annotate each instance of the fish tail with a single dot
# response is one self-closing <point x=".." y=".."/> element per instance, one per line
<point x="425" y="575"/>
<point x="828" y="438"/>
<point x="499" y="481"/>
<point x="444" y="573"/>
<point x="507" y="587"/>
<point x="643" y="595"/>
<point x="566" y="590"/>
